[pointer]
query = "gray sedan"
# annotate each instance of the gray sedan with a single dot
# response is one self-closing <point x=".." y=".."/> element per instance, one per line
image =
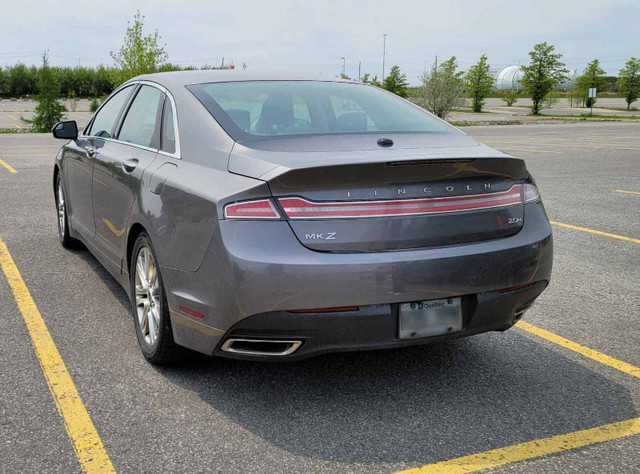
<point x="279" y="217"/>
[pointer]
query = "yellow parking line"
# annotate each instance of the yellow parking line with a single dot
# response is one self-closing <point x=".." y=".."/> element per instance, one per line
<point x="582" y="350"/>
<point x="545" y="446"/>
<point x="532" y="449"/>
<point x="17" y="121"/>
<point x="597" y="232"/>
<point x="84" y="437"/>
<point x="626" y="192"/>
<point x="8" y="166"/>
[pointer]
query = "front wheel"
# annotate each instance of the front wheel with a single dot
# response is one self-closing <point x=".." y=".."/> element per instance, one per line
<point x="149" y="306"/>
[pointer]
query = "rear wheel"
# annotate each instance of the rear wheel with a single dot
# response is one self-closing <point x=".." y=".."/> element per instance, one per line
<point x="66" y="240"/>
<point x="149" y="306"/>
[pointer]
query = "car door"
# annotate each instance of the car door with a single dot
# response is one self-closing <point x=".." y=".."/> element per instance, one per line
<point x="79" y="160"/>
<point x="119" y="167"/>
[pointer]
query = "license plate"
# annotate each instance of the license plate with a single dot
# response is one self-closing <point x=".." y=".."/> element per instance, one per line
<point x="430" y="318"/>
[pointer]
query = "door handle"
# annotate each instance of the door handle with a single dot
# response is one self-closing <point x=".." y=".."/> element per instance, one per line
<point x="129" y="165"/>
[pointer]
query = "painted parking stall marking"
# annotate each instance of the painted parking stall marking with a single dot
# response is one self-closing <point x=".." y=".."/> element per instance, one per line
<point x="597" y="232"/>
<point x="6" y="165"/>
<point x="580" y="349"/>
<point x="84" y="437"/>
<point x="532" y="449"/>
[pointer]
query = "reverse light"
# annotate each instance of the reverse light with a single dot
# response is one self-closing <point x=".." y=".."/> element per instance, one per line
<point x="531" y="193"/>
<point x="259" y="209"/>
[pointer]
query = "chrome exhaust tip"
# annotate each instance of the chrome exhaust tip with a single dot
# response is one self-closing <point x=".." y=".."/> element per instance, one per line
<point x="260" y="347"/>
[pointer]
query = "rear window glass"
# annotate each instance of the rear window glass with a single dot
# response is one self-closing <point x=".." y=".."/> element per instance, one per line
<point x="254" y="110"/>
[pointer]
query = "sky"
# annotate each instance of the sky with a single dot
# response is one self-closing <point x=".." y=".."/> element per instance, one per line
<point x="312" y="37"/>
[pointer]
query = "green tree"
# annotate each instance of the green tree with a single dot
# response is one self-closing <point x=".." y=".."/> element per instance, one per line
<point x="629" y="81"/>
<point x="48" y="110"/>
<point x="103" y="82"/>
<point x="373" y="81"/>
<point x="593" y="76"/>
<point x="345" y="76"/>
<point x="139" y="54"/>
<point x="18" y="82"/>
<point x="441" y="89"/>
<point x="543" y="74"/>
<point x="3" y="81"/>
<point x="478" y="83"/>
<point x="396" y="82"/>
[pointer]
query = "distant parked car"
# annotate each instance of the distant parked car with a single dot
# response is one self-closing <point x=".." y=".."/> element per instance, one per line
<point x="277" y="217"/>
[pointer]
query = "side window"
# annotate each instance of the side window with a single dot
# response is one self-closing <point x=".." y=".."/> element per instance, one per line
<point x="105" y="119"/>
<point x="168" y="136"/>
<point x="142" y="122"/>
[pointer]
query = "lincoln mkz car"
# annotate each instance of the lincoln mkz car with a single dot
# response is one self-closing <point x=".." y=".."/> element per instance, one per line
<point x="277" y="217"/>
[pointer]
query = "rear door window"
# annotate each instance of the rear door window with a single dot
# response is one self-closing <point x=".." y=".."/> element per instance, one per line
<point x="105" y="120"/>
<point x="142" y="122"/>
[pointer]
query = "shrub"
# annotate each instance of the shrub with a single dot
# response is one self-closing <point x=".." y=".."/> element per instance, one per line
<point x="441" y="89"/>
<point x="510" y="98"/>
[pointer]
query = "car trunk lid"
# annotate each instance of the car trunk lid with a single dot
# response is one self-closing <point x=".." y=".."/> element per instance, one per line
<point x="414" y="196"/>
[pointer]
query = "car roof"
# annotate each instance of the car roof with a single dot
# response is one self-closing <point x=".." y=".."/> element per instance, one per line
<point x="175" y="79"/>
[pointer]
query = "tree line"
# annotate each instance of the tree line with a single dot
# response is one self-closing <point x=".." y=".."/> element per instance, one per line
<point x="21" y="80"/>
<point x="442" y="88"/>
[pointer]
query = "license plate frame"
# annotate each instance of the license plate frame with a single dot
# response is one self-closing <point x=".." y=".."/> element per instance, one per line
<point x="429" y="318"/>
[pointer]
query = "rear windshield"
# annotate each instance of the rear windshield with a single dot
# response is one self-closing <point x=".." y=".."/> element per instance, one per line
<point x="255" y="110"/>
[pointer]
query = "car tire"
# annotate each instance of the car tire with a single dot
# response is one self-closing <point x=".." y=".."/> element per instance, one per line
<point x="64" y="234"/>
<point x="149" y="306"/>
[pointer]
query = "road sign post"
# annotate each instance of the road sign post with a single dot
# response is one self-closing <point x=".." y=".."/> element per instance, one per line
<point x="592" y="96"/>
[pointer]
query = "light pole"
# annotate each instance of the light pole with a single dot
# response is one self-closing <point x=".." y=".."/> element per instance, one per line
<point x="344" y="63"/>
<point x="384" y="52"/>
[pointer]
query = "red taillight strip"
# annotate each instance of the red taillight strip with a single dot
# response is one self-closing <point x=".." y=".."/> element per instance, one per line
<point x="298" y="208"/>
<point x="259" y="209"/>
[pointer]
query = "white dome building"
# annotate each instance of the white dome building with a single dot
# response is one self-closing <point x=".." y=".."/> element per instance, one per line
<point x="508" y="79"/>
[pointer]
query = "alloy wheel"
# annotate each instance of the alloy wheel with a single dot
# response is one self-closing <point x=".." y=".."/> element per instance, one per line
<point x="147" y="296"/>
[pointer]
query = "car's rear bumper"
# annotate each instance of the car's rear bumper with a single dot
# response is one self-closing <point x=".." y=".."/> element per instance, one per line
<point x="254" y="273"/>
<point x="373" y="327"/>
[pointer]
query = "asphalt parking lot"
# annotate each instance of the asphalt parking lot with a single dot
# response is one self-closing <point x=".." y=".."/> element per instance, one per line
<point x="559" y="393"/>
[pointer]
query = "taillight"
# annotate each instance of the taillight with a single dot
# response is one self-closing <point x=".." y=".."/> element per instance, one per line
<point x="299" y="208"/>
<point x="531" y="193"/>
<point x="259" y="209"/>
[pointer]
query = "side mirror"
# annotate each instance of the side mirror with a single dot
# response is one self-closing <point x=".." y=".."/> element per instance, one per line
<point x="66" y="130"/>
